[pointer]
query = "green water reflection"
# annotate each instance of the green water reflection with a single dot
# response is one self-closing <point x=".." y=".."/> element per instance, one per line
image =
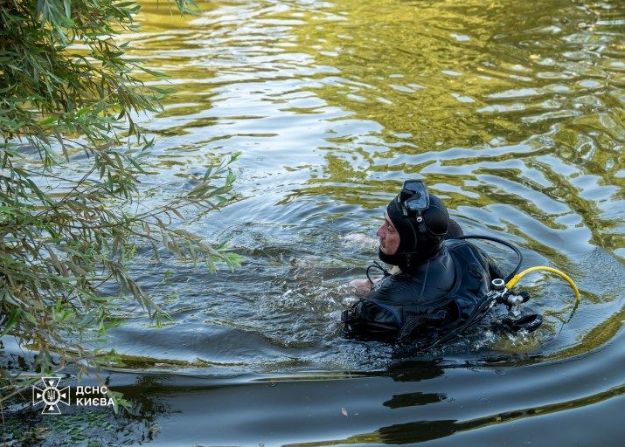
<point x="512" y="112"/>
<point x="536" y="93"/>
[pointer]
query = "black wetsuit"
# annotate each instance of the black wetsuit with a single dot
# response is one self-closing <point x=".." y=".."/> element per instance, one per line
<point x="437" y="297"/>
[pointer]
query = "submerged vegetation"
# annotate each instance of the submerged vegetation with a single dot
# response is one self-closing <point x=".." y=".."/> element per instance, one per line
<point x="69" y="93"/>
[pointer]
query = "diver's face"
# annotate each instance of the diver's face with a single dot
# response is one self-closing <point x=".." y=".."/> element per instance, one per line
<point x="389" y="237"/>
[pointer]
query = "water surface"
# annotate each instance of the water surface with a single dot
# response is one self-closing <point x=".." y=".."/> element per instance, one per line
<point x="513" y="113"/>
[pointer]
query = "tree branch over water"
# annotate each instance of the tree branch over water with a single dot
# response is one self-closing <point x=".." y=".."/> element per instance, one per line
<point x="72" y="154"/>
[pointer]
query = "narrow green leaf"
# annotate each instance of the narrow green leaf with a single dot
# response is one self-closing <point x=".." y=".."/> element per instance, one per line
<point x="30" y="317"/>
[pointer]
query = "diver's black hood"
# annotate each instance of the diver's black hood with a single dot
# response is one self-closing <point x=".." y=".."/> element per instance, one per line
<point x="416" y="247"/>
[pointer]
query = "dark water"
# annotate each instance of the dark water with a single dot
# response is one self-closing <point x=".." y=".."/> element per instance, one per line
<point x="512" y="112"/>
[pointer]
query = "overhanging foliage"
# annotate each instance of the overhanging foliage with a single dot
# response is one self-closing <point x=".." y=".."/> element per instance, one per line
<point x="66" y="91"/>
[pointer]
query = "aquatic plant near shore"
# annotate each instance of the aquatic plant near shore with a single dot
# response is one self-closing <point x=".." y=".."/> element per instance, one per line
<point x="70" y="93"/>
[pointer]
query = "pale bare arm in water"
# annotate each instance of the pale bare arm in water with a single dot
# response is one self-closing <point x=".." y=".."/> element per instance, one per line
<point x="362" y="287"/>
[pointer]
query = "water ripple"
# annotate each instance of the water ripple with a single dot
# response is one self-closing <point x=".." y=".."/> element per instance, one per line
<point x="516" y="124"/>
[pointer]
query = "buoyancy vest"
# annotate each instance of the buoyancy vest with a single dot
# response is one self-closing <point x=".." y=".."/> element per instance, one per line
<point x="438" y="297"/>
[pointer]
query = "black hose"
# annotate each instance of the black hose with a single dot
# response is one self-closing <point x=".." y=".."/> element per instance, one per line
<point x="376" y="265"/>
<point x="502" y="242"/>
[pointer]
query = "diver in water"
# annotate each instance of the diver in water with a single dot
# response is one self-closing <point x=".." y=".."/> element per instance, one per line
<point x="437" y="283"/>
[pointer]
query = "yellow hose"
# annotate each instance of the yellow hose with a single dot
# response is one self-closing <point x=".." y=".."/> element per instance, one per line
<point x="562" y="275"/>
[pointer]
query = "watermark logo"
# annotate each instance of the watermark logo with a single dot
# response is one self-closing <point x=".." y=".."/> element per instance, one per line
<point x="51" y="395"/>
<point x="86" y="396"/>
